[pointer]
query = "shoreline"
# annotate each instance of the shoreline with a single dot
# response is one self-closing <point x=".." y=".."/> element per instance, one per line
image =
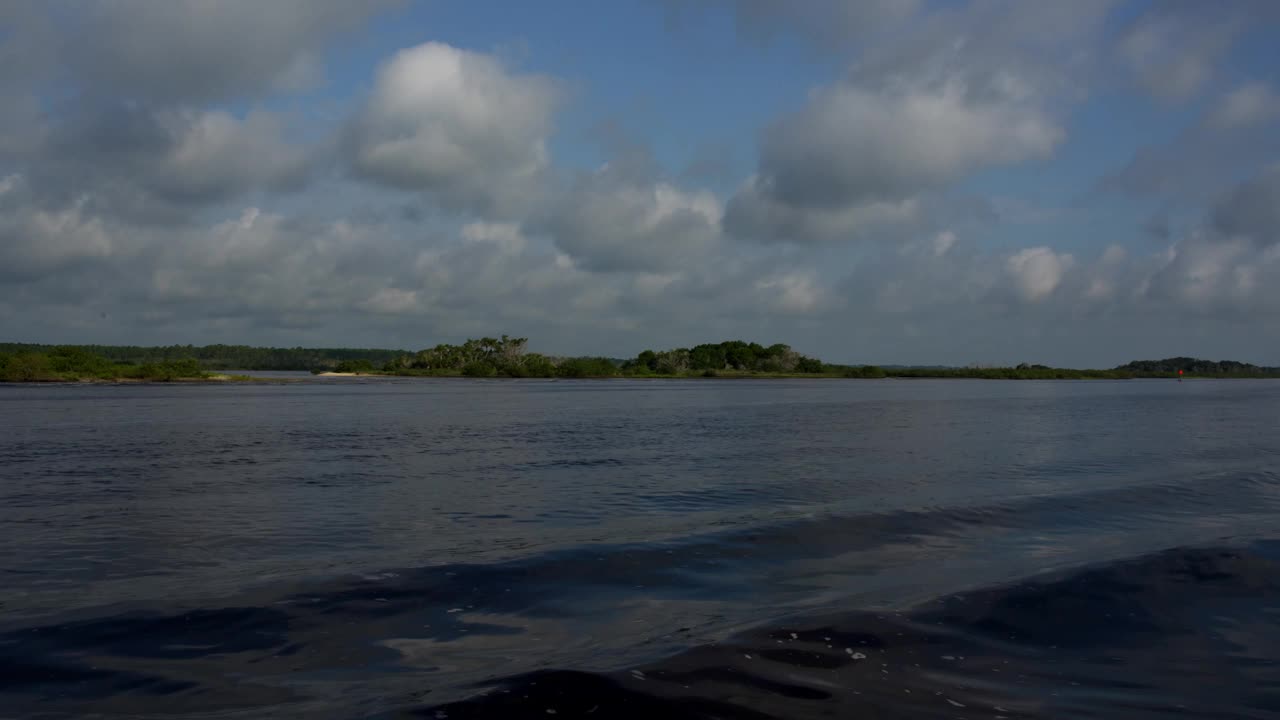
<point x="490" y="358"/>
<point x="364" y="374"/>
<point x="219" y="378"/>
<point x="211" y="380"/>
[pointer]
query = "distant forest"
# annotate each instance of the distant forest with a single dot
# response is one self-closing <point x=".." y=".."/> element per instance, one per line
<point x="1169" y="367"/>
<point x="508" y="357"/>
<point x="222" y="357"/>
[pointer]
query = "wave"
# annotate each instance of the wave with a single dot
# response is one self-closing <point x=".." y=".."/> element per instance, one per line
<point x="1190" y="632"/>
<point x="1186" y="630"/>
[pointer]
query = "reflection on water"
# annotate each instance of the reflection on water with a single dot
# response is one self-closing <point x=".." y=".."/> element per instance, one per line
<point x="348" y="547"/>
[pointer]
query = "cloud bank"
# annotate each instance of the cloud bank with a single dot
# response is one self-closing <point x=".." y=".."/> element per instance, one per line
<point x="214" y="172"/>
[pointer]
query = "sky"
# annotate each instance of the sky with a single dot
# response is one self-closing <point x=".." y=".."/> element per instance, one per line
<point x="870" y="181"/>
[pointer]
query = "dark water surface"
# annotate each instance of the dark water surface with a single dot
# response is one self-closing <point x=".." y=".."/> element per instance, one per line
<point x="632" y="549"/>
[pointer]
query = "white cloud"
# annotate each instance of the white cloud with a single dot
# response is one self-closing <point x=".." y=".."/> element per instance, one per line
<point x="851" y="145"/>
<point x="792" y="292"/>
<point x="612" y="224"/>
<point x="122" y="189"/>
<point x="1201" y="272"/>
<point x="1105" y="276"/>
<point x="1036" y="272"/>
<point x="393" y="301"/>
<point x="755" y="212"/>
<point x="215" y="154"/>
<point x="143" y="164"/>
<point x="909" y="122"/>
<point x="181" y="51"/>
<point x="35" y="243"/>
<point x="454" y="123"/>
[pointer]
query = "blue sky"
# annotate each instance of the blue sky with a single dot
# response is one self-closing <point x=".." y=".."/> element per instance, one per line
<point x="868" y="180"/>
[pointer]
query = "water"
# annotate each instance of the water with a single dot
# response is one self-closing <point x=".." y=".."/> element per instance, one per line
<point x="347" y="547"/>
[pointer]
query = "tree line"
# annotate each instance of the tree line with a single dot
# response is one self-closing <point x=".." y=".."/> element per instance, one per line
<point x="74" y="363"/>
<point x="1194" y="367"/>
<point x="489" y="357"/>
<point x="729" y="356"/>
<point x="223" y="357"/>
<point x="508" y="357"/>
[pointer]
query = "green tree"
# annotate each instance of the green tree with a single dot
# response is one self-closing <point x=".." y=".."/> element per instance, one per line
<point x="865" y="371"/>
<point x="79" y="362"/>
<point x="673" y="362"/>
<point x="170" y="370"/>
<point x="586" y="367"/>
<point x="706" y="357"/>
<point x="808" y="365"/>
<point x="479" y="368"/>
<point x="354" y="366"/>
<point x="536" y="365"/>
<point x="28" y="367"/>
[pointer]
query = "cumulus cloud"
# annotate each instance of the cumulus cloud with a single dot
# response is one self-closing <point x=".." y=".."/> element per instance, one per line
<point x="996" y="49"/>
<point x="214" y="154"/>
<point x="612" y="224"/>
<point x="958" y="92"/>
<point x="854" y="155"/>
<point x="918" y="282"/>
<point x="150" y="165"/>
<point x="1037" y="271"/>
<point x="267" y="267"/>
<point x="850" y="145"/>
<point x="756" y="212"/>
<point x="454" y="123"/>
<point x="1206" y="275"/>
<point x="38" y="242"/>
<point x="128" y="132"/>
<point x="182" y="51"/>
<point x="1105" y="277"/>
<point x="792" y="292"/>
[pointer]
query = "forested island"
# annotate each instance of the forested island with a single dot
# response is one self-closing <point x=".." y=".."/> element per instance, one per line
<point x="70" y="363"/>
<point x="219" y="357"/>
<point x="508" y="357"/>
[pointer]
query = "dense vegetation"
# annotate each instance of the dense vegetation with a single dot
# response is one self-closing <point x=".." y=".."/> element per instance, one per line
<point x="490" y="357"/>
<point x="729" y="356"/>
<point x="74" y="363"/>
<point x="507" y="357"/>
<point x="225" y="357"/>
<point x="1167" y="368"/>
<point x="1193" y="367"/>
<point x="1017" y="372"/>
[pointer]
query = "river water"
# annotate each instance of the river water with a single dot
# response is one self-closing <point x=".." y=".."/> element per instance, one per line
<point x="348" y="547"/>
